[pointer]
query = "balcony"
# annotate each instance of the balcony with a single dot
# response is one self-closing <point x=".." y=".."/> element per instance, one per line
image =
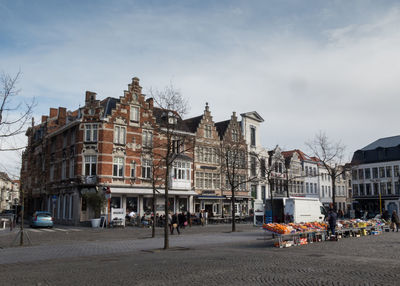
<point x="88" y="180"/>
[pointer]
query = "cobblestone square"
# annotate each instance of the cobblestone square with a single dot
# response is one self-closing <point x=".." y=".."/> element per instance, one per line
<point x="202" y="256"/>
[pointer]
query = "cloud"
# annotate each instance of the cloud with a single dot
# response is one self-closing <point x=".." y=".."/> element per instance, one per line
<point x="330" y="67"/>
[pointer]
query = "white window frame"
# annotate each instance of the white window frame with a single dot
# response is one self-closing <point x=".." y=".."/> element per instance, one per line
<point x="119" y="163"/>
<point x="91" y="160"/>
<point x="134" y="113"/>
<point x="119" y="134"/>
<point x="91" y="132"/>
<point x="146" y="169"/>
<point x="147" y="138"/>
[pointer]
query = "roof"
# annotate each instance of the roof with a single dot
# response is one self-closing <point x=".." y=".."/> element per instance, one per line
<point x="303" y="156"/>
<point x="386" y="142"/>
<point x="109" y="104"/>
<point x="159" y="113"/>
<point x="254" y="115"/>
<point x="193" y="123"/>
<point x="221" y="127"/>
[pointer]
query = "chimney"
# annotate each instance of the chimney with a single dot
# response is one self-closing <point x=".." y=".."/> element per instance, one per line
<point x="62" y="115"/>
<point x="44" y="118"/>
<point x="90" y="97"/>
<point x="136" y="88"/>
<point x="53" y="112"/>
<point x="233" y="114"/>
<point x="150" y="101"/>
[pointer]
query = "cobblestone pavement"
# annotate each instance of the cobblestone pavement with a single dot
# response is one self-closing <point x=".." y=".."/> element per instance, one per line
<point x="211" y="257"/>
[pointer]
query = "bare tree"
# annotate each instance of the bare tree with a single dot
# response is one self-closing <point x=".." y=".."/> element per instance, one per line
<point x="15" y="114"/>
<point x="173" y="141"/>
<point x="330" y="154"/>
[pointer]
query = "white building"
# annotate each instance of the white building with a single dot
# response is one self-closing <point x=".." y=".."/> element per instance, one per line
<point x="9" y="192"/>
<point x="376" y="176"/>
<point x="258" y="159"/>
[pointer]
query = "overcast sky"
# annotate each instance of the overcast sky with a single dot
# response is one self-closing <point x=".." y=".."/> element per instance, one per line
<point x="304" y="66"/>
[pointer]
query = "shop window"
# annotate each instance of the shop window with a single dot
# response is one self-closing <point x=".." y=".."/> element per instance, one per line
<point x="132" y="204"/>
<point x="115" y="202"/>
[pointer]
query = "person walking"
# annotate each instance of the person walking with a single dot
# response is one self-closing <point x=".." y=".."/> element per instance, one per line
<point x="332" y="217"/>
<point x="395" y="221"/>
<point x="175" y="224"/>
<point x="202" y="217"/>
<point x="170" y="222"/>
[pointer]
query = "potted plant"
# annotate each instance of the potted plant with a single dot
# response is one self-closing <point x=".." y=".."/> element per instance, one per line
<point x="96" y="201"/>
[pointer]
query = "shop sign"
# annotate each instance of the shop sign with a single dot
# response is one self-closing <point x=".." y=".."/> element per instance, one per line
<point x="117" y="213"/>
<point x="208" y="192"/>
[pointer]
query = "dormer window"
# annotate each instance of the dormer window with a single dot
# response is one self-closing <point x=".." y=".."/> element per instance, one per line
<point x="172" y="120"/>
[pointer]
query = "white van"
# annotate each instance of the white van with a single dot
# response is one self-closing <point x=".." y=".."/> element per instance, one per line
<point x="304" y="209"/>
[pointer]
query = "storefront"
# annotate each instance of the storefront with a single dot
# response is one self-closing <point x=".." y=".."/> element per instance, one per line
<point x="140" y="200"/>
<point x="211" y="204"/>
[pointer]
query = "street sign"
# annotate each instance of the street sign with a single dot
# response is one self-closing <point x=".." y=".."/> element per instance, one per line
<point x="54" y="197"/>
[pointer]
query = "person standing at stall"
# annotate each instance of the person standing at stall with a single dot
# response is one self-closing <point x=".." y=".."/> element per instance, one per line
<point x="175" y="224"/>
<point x="332" y="217"/>
<point x="395" y="221"/>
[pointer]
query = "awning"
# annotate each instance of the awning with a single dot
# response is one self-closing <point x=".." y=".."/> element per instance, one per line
<point x="145" y="191"/>
<point x="211" y="197"/>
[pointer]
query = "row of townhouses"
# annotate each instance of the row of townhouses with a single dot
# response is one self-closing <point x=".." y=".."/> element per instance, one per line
<point x="104" y="145"/>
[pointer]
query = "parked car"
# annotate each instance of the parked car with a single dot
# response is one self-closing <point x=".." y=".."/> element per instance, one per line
<point x="41" y="219"/>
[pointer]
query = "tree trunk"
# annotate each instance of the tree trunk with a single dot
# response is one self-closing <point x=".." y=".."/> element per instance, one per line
<point x="233" y="211"/>
<point x="166" y="229"/>
<point x="334" y="192"/>
<point x="153" y="229"/>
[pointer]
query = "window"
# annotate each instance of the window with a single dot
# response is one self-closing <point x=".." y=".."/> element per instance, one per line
<point x="368" y="189"/>
<point x="134" y="114"/>
<point x="71" y="206"/>
<point x="118" y="167"/>
<point x="235" y="135"/>
<point x="72" y="136"/>
<point x="253" y="166"/>
<point x="311" y="188"/>
<point x="71" y="167"/>
<point x="383" y="189"/>
<point x="199" y="180"/>
<point x="263" y="168"/>
<point x="396" y="170"/>
<point x="315" y="188"/>
<point x="207" y="131"/>
<point x="90" y="132"/>
<point x="133" y="170"/>
<point x="64" y="169"/>
<point x="397" y="188"/>
<point x="147" y="138"/>
<point x="389" y="171"/>
<point x="381" y="172"/>
<point x="64" y="139"/>
<point x="177" y="146"/>
<point x="52" y="167"/>
<point x="355" y="190"/>
<point x="367" y="173"/>
<point x="307" y="188"/>
<point x="376" y="188"/>
<point x="181" y="171"/>
<point x="389" y="188"/>
<point x="354" y="175"/>
<point x="252" y="136"/>
<point x="90" y="165"/>
<point x="119" y="134"/>
<point x="375" y="173"/>
<point x="263" y="193"/>
<point x="146" y="168"/>
<point x="254" y="191"/>
<point x="306" y="169"/>
<point x="361" y="174"/>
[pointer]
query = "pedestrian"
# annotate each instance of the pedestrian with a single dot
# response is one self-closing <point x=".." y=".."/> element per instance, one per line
<point x="206" y="217"/>
<point x="170" y="222"/>
<point x="175" y="224"/>
<point x="201" y="215"/>
<point x="340" y="214"/>
<point x="395" y="221"/>
<point x="332" y="217"/>
<point x="189" y="219"/>
<point x="181" y="220"/>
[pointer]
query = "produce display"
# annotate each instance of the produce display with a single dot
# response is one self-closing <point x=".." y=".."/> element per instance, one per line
<point x="280" y="228"/>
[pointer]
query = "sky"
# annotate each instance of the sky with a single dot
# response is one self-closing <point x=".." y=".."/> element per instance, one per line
<point x="304" y="66"/>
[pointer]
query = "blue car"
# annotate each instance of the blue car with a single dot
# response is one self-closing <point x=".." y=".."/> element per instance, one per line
<point x="42" y="219"/>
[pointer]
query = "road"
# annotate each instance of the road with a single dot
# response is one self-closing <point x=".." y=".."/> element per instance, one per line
<point x="200" y="256"/>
